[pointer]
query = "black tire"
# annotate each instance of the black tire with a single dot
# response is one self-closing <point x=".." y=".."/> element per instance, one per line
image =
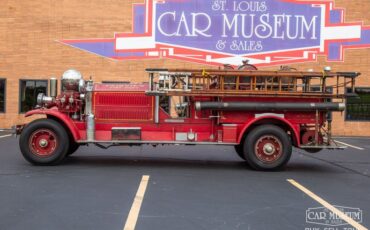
<point x="240" y="151"/>
<point x="276" y="144"/>
<point x="73" y="147"/>
<point x="57" y="142"/>
<point x="310" y="139"/>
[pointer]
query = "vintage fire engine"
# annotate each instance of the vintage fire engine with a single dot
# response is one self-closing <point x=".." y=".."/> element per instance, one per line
<point x="263" y="114"/>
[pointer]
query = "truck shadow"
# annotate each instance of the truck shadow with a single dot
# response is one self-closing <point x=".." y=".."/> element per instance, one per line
<point x="152" y="162"/>
<point x="173" y="163"/>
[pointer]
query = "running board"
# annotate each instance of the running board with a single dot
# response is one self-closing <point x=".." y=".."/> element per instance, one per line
<point x="154" y="143"/>
<point x="331" y="147"/>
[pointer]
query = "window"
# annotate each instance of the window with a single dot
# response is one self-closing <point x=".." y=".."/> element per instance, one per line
<point x="175" y="106"/>
<point x="358" y="107"/>
<point x="2" y="95"/>
<point x="28" y="91"/>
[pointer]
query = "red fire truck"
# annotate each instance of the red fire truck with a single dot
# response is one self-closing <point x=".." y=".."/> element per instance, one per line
<point x="263" y="114"/>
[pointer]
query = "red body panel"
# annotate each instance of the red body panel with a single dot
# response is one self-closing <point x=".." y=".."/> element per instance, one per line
<point x="127" y="106"/>
<point x="64" y="118"/>
<point x="294" y="127"/>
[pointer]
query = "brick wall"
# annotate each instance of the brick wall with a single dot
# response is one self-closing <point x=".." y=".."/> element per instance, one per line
<point x="29" y="31"/>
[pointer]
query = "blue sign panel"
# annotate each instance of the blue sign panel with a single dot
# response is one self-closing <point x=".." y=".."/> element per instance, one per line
<point x="218" y="32"/>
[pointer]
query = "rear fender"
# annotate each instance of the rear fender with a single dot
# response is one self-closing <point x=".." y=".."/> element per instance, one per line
<point x="267" y="120"/>
<point x="60" y="117"/>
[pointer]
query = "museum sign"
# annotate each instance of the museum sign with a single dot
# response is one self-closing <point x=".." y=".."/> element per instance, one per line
<point x="218" y="32"/>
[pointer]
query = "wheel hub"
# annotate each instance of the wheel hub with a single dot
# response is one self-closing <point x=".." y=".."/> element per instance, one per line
<point x="43" y="142"/>
<point x="268" y="149"/>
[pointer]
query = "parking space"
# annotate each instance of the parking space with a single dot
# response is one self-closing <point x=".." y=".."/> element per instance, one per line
<point x="4" y="133"/>
<point x="356" y="143"/>
<point x="203" y="187"/>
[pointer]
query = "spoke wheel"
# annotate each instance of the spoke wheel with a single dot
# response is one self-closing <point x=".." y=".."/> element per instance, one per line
<point x="44" y="142"/>
<point x="267" y="147"/>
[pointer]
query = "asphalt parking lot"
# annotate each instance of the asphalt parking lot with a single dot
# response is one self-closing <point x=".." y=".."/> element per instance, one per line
<point x="203" y="187"/>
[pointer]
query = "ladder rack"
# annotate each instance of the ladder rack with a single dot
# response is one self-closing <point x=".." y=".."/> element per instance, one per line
<point x="256" y="83"/>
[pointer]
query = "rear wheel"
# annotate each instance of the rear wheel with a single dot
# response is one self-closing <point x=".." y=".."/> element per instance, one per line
<point x="267" y="147"/>
<point x="44" y="142"/>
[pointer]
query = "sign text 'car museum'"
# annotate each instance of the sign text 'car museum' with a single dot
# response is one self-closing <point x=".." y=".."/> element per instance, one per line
<point x="218" y="32"/>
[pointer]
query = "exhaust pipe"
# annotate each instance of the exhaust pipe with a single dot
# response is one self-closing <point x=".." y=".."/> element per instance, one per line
<point x="53" y="87"/>
<point x="90" y="118"/>
<point x="277" y="106"/>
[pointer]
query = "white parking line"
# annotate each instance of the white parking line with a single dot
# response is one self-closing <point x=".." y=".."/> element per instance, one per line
<point x="352" y="146"/>
<point x="136" y="205"/>
<point x="346" y="137"/>
<point x="324" y="203"/>
<point x="9" y="135"/>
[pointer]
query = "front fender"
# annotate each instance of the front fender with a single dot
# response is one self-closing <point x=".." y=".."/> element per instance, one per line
<point x="271" y="117"/>
<point x="61" y="117"/>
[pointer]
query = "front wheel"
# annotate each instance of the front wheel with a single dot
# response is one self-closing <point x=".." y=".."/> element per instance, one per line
<point x="267" y="147"/>
<point x="44" y="142"/>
